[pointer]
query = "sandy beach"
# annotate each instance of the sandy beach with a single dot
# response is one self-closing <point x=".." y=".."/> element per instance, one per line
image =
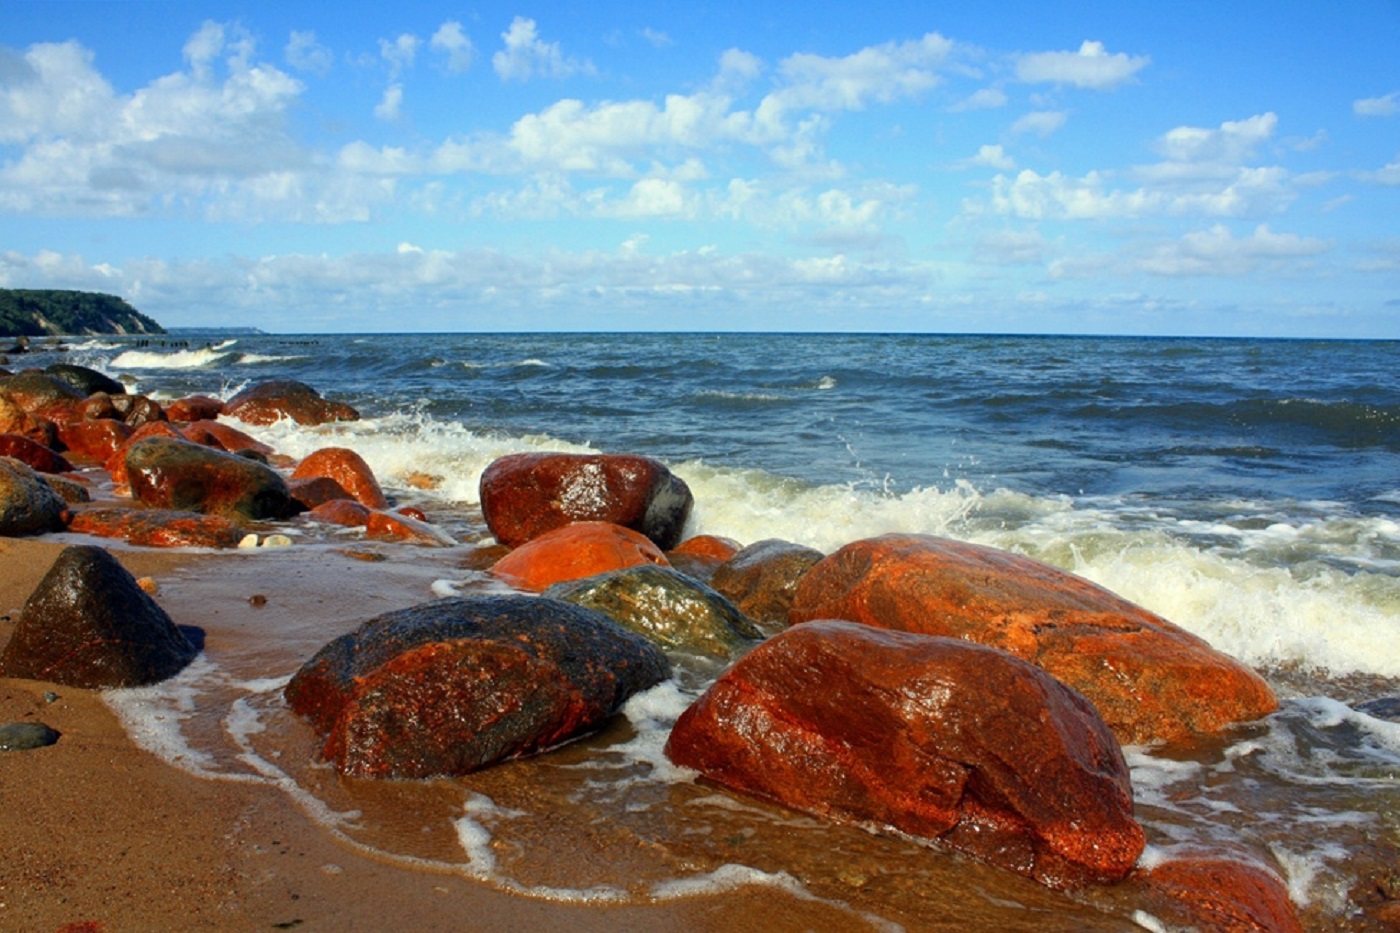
<point x="103" y="835"/>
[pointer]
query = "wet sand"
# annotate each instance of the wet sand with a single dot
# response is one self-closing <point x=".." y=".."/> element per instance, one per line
<point x="103" y="835"/>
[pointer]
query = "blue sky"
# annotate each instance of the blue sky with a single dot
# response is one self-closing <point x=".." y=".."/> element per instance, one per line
<point x="1042" y="167"/>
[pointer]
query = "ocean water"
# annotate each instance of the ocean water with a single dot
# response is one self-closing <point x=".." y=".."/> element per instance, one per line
<point x="1247" y="490"/>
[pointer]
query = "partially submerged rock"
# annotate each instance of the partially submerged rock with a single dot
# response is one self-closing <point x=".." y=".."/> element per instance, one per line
<point x="347" y="468"/>
<point x="176" y="474"/>
<point x="936" y="738"/>
<point x="269" y="402"/>
<point x="665" y="607"/>
<point x="1223" y="893"/>
<point x="158" y="527"/>
<point x="1151" y="681"/>
<point x="88" y="624"/>
<point x="525" y="495"/>
<point x="452" y="686"/>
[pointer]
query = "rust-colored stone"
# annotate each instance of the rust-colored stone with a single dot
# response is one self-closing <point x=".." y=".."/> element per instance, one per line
<point x="268" y="402"/>
<point x="15" y="420"/>
<point x="157" y="527"/>
<point x="701" y="555"/>
<point x="314" y="491"/>
<point x="30" y="451"/>
<point x="1151" y="680"/>
<point x="454" y="685"/>
<point x="28" y="505"/>
<point x="349" y="470"/>
<point x="1226" y="895"/>
<point x="222" y="436"/>
<point x="581" y="549"/>
<point x="194" y="408"/>
<point x="96" y="439"/>
<point x="525" y="495"/>
<point x="137" y="410"/>
<point x="762" y="578"/>
<point x="116" y="463"/>
<point x="342" y="511"/>
<point x="400" y="527"/>
<point x="937" y="738"/>
<point x="38" y="392"/>
<point x="176" y="474"/>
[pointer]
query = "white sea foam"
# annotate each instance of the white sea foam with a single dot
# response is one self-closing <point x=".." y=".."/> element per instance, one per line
<point x="178" y="359"/>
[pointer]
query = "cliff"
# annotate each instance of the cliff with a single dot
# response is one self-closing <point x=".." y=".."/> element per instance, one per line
<point x="40" y="312"/>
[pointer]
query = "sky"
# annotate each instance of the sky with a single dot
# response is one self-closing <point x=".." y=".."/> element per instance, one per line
<point x="1184" y="168"/>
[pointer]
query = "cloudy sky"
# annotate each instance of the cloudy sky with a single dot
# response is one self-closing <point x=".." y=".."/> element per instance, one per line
<point x="1047" y="166"/>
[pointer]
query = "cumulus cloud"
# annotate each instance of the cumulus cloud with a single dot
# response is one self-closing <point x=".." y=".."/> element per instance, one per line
<point x="1233" y="142"/>
<point x="1385" y="106"/>
<point x="879" y="73"/>
<point x="399" y="53"/>
<point x="990" y="157"/>
<point x="1248" y="192"/>
<point x="526" y="55"/>
<point x="453" y="42"/>
<point x="1040" y="122"/>
<point x="1216" y="251"/>
<point x="390" y="106"/>
<point x="304" y="53"/>
<point x="1090" y="67"/>
<point x="988" y="98"/>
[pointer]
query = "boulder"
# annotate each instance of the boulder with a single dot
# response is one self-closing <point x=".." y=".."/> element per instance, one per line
<point x="85" y="380"/>
<point x="194" y="408"/>
<point x="176" y="474"/>
<point x="38" y="393"/>
<point x="96" y="439"/>
<point x="665" y="607"/>
<point x="1222" y="894"/>
<point x="407" y="528"/>
<point x="30" y="451"/>
<point x="223" y="437"/>
<point x="454" y="685"/>
<point x="349" y="470"/>
<point x="269" y="402"/>
<point x="935" y="738"/>
<point x="317" y="491"/>
<point x="1151" y="681"/>
<point x="137" y="410"/>
<point x="88" y="624"/>
<point x="525" y="495"/>
<point x="28" y="505"/>
<point x="71" y="490"/>
<point x="15" y="420"/>
<point x="116" y="463"/>
<point x="700" y="555"/>
<point x="345" y="511"/>
<point x="158" y="527"/>
<point x="572" y="552"/>
<point x="762" y="578"/>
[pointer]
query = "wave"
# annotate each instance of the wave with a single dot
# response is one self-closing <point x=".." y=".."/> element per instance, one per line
<point x="178" y="359"/>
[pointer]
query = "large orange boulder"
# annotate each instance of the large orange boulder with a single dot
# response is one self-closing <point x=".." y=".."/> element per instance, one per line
<point x="525" y="495"/>
<point x="572" y="552"/>
<point x="454" y="685"/>
<point x="933" y="737"/>
<point x="1223" y="894"/>
<point x="158" y="527"/>
<point x="97" y="439"/>
<point x="224" y="437"/>
<point x="269" y="402"/>
<point x="40" y="393"/>
<point x="194" y="408"/>
<point x="762" y="578"/>
<point x="15" y="420"/>
<point x="1151" y="680"/>
<point x="116" y="463"/>
<point x="348" y="469"/>
<point x="701" y="555"/>
<point x="30" y="451"/>
<point x="175" y="474"/>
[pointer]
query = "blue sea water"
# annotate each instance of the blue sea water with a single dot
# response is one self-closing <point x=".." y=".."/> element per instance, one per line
<point x="1248" y="490"/>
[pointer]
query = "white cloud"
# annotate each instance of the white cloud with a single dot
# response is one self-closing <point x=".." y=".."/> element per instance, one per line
<point x="526" y="55"/>
<point x="1387" y="175"/>
<point x="1041" y="122"/>
<point x="1247" y="192"/>
<point x="1385" y="106"/>
<point x="657" y="38"/>
<point x="1091" y="67"/>
<point x="1010" y="247"/>
<point x="399" y="53"/>
<point x="990" y="157"/>
<point x="988" y="98"/>
<point x="453" y="42"/>
<point x="1233" y="142"/>
<point x="304" y="53"/>
<point x="390" y="106"/>
<point x="1218" y="252"/>
<point x="876" y="74"/>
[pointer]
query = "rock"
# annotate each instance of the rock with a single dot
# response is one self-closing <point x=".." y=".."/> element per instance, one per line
<point x="137" y="410"/>
<point x="762" y="578"/>
<point x="85" y="380"/>
<point x="96" y="439"/>
<point x="1225" y="895"/>
<point x="23" y="736"/>
<point x="525" y="495"/>
<point x="700" y="555"/>
<point x="338" y="511"/>
<point x="349" y="470"/>
<point x="222" y="436"/>
<point x="176" y="474"/>
<point x="1151" y="681"/>
<point x="38" y="393"/>
<point x="934" y="737"/>
<point x="406" y="528"/>
<point x="87" y="624"/>
<point x="15" y="420"/>
<point x="269" y="402"/>
<point x="454" y="685"/>
<point x="582" y="549"/>
<point x="70" y="490"/>
<point x="158" y="527"/>
<point x="194" y="408"/>
<point x="28" y="505"/>
<point x="116" y="464"/>
<point x="318" y="490"/>
<point x="41" y="458"/>
<point x="96" y="407"/>
<point x="665" y="607"/>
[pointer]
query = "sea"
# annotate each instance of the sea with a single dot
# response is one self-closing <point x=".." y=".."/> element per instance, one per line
<point x="1247" y="490"/>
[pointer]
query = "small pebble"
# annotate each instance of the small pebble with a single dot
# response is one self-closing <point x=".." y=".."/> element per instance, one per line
<point x="248" y="541"/>
<point x="258" y="600"/>
<point x="20" y="736"/>
<point x="277" y="541"/>
<point x="148" y="584"/>
<point x="50" y="696"/>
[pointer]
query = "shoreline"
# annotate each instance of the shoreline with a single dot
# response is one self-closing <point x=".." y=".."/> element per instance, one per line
<point x="105" y="834"/>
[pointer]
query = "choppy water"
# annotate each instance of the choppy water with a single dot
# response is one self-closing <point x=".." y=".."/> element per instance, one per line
<point x="1247" y="490"/>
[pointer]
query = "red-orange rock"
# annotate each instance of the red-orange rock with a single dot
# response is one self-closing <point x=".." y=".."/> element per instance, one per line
<point x="581" y="549"/>
<point x="28" y="505"/>
<point x="699" y="556"/>
<point x="223" y="437"/>
<point x="97" y="439"/>
<point x="349" y="470"/>
<point x="15" y="420"/>
<point x="762" y="578"/>
<point x="1151" y="681"/>
<point x="937" y="738"/>
<point x="176" y="474"/>
<point x="158" y="527"/>
<point x="380" y="524"/>
<point x="29" y="451"/>
<point x="38" y="392"/>
<point x="116" y="463"/>
<point x="315" y="491"/>
<point x="1226" y="895"/>
<point x="343" y="511"/>
<point x="525" y="495"/>
<point x="96" y="407"/>
<point x="194" y="408"/>
<point x="268" y="402"/>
